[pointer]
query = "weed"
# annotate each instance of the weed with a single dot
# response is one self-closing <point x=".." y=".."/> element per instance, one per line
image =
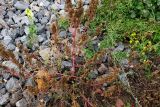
<point x="32" y="36"/>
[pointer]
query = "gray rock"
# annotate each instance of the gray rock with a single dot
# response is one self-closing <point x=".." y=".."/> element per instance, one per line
<point x="34" y="6"/>
<point x="23" y="39"/>
<point x="2" y="2"/>
<point x="21" y="5"/>
<point x="30" y="82"/>
<point x="53" y="18"/>
<point x="8" y="105"/>
<point x="120" y="47"/>
<point x="4" y="99"/>
<point x="11" y="46"/>
<point x="10" y="14"/>
<point x="93" y="74"/>
<point x="1" y="37"/>
<point x="6" y="76"/>
<point x="11" y="65"/>
<point x="12" y="85"/>
<point x="40" y="27"/>
<point x="16" y="18"/>
<point x="21" y="103"/>
<point x="44" y="20"/>
<point x="43" y="3"/>
<point x="62" y="34"/>
<point x="86" y="2"/>
<point x="10" y="21"/>
<point x="3" y="23"/>
<point x="2" y="91"/>
<point x="7" y="40"/>
<point x="2" y="85"/>
<point x="25" y="20"/>
<point x="15" y="97"/>
<point x="41" y="38"/>
<point x="66" y="64"/>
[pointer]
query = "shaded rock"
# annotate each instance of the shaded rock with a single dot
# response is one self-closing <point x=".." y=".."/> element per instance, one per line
<point x="63" y="34"/>
<point x="21" y="5"/>
<point x="120" y="47"/>
<point x="11" y="65"/>
<point x="40" y="27"/>
<point x="93" y="74"/>
<point x="66" y="64"/>
<point x="2" y="91"/>
<point x="15" y="97"/>
<point x="21" y="103"/>
<point x="1" y="37"/>
<point x="6" y="76"/>
<point x="53" y="18"/>
<point x="3" y="23"/>
<point x="41" y="38"/>
<point x="2" y="85"/>
<point x="30" y="82"/>
<point x="12" y="85"/>
<point x="7" y="40"/>
<point x="11" y="46"/>
<point x="4" y="99"/>
<point x="44" y="20"/>
<point x="28" y="96"/>
<point x="102" y="69"/>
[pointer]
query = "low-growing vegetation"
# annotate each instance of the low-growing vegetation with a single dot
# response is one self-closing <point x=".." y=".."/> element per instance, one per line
<point x="114" y="50"/>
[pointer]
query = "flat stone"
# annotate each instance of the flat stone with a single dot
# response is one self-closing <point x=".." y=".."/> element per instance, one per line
<point x="25" y="20"/>
<point x="12" y="85"/>
<point x="4" y="99"/>
<point x="21" y="5"/>
<point x="21" y="103"/>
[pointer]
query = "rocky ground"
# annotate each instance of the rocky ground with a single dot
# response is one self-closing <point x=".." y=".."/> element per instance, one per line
<point x="14" y="29"/>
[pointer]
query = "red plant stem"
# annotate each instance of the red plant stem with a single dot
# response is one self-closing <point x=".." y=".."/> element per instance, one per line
<point x="73" y="51"/>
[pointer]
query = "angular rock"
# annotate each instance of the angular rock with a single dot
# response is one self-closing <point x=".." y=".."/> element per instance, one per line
<point x="4" y="99"/>
<point x="6" y="76"/>
<point x="15" y="97"/>
<point x="43" y="3"/>
<point x="2" y="91"/>
<point x="44" y="20"/>
<point x="41" y="38"/>
<point x="63" y="34"/>
<point x="11" y="46"/>
<point x="66" y="64"/>
<point x="21" y="5"/>
<point x="11" y="65"/>
<point x="45" y="53"/>
<point x="7" y="40"/>
<point x="120" y="47"/>
<point x="12" y="85"/>
<point x="21" y="103"/>
<point x="30" y="82"/>
<point x="25" y="20"/>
